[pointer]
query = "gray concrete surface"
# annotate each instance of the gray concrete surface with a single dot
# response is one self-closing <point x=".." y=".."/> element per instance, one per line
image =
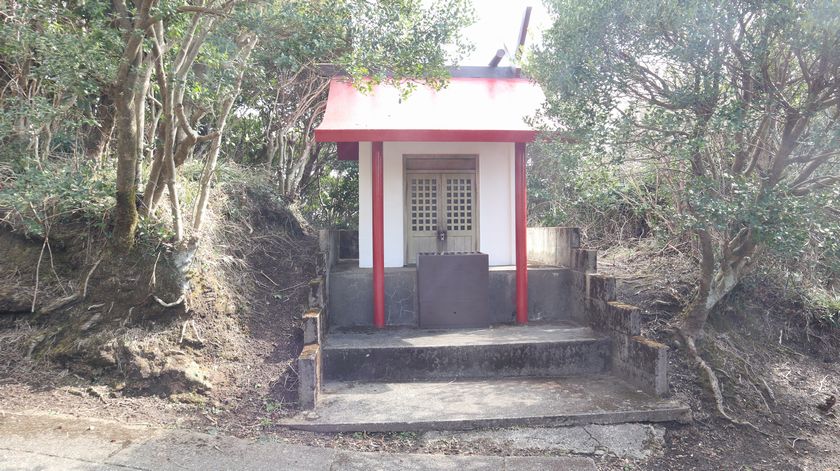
<point x="552" y="245"/>
<point x="470" y="404"/>
<point x="634" y="441"/>
<point x="309" y="376"/>
<point x="351" y="295"/>
<point x="635" y="359"/>
<point x="503" y="351"/>
<point x="313" y="325"/>
<point x="549" y="294"/>
<point x="497" y="335"/>
<point x="30" y="442"/>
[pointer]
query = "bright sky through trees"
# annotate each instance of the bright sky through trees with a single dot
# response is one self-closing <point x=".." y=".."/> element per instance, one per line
<point x="497" y="26"/>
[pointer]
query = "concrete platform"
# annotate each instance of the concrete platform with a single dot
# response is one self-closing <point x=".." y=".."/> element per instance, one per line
<point x="550" y="296"/>
<point x="464" y="405"/>
<point x="558" y="349"/>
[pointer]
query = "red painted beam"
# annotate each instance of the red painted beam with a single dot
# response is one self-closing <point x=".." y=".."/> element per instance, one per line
<point x="521" y="203"/>
<point x="377" y="177"/>
<point x="425" y="135"/>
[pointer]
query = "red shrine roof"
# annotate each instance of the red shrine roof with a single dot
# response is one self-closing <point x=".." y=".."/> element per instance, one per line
<point x="467" y="110"/>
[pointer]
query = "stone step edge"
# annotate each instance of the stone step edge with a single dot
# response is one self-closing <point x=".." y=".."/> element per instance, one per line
<point x="326" y="347"/>
<point x="680" y="414"/>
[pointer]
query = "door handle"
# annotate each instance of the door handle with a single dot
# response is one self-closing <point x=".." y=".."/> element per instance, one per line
<point x="441" y="235"/>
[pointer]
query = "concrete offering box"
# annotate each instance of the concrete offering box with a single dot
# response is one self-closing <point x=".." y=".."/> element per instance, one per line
<point x="452" y="289"/>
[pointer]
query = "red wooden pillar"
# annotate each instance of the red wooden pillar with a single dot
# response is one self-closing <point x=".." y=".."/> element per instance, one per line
<point x="520" y="184"/>
<point x="377" y="178"/>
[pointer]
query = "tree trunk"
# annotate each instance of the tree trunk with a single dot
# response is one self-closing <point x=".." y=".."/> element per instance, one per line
<point x="717" y="279"/>
<point x="210" y="165"/>
<point x="271" y="148"/>
<point x="98" y="137"/>
<point x="127" y="85"/>
<point x="172" y="88"/>
<point x="144" y="63"/>
<point x="126" y="216"/>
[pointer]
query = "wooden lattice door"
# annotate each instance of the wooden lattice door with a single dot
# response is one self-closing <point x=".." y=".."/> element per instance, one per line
<point x="441" y="213"/>
<point x="458" y="204"/>
<point x="423" y="209"/>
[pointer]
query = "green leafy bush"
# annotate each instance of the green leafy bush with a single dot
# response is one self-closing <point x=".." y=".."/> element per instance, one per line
<point x="35" y="198"/>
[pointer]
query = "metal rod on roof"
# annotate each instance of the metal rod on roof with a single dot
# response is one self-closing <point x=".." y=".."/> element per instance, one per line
<point x="497" y="58"/>
<point x="523" y="32"/>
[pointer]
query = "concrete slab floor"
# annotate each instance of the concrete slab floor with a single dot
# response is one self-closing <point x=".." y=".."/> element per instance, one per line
<point x="635" y="441"/>
<point x="30" y="442"/>
<point x="497" y="335"/>
<point x="470" y="404"/>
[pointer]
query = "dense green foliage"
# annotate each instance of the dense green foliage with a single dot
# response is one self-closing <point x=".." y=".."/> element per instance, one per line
<point x="59" y="91"/>
<point x="714" y="122"/>
<point x="334" y="202"/>
<point x="82" y="194"/>
<point x="56" y="59"/>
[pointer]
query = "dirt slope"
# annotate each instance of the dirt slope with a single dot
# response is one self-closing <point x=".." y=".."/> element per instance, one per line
<point x="222" y="356"/>
<point x="776" y="363"/>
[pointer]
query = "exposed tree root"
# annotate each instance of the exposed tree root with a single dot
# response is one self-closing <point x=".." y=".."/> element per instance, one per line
<point x="172" y="304"/>
<point x="714" y="385"/>
<point x="73" y="298"/>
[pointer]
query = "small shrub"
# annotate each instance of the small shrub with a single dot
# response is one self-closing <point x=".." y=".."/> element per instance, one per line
<point x="32" y="199"/>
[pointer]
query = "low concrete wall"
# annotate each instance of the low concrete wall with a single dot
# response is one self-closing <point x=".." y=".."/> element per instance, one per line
<point x="351" y="296"/>
<point x="309" y="376"/>
<point x="328" y="242"/>
<point x="552" y="245"/>
<point x="638" y="360"/>
<point x="313" y="326"/>
<point x="315" y="322"/>
<point x="348" y="244"/>
<point x="549" y="295"/>
<point x="563" y="243"/>
<point x="643" y="362"/>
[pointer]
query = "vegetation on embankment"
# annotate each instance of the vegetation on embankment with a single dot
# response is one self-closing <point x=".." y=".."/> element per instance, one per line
<point x="712" y="126"/>
<point x="148" y="151"/>
<point x="151" y="320"/>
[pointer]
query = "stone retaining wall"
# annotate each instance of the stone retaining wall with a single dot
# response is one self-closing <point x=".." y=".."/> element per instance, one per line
<point x="638" y="360"/>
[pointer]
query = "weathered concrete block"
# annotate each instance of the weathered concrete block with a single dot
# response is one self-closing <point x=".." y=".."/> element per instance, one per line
<point x="600" y="287"/>
<point x="309" y="376"/>
<point x="350" y="299"/>
<point x="502" y="302"/>
<point x="584" y="260"/>
<point x="552" y="245"/>
<point x="328" y="243"/>
<point x="313" y="326"/>
<point x="549" y="294"/>
<point x="616" y="317"/>
<point x="348" y="244"/>
<point x="317" y="290"/>
<point x="577" y="297"/>
<point x="641" y="362"/>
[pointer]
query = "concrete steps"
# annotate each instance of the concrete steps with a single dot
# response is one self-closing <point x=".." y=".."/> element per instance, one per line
<point x="483" y="403"/>
<point x="426" y="355"/>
